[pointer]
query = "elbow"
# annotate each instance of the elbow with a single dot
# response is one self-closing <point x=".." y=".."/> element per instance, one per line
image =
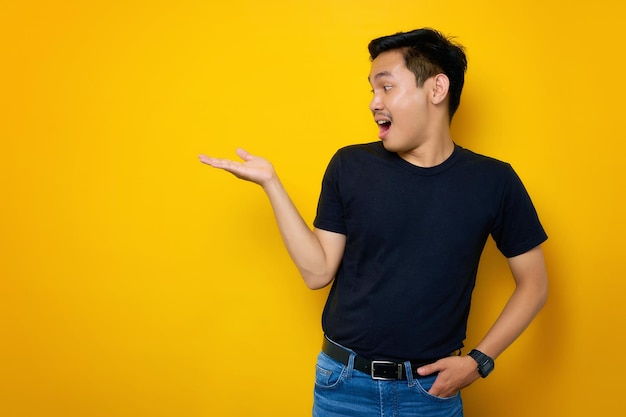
<point x="540" y="292"/>
<point x="534" y="292"/>
<point x="316" y="282"/>
<point x="315" y="286"/>
<point x="543" y="293"/>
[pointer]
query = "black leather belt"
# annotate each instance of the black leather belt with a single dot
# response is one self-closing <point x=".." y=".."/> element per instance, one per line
<point x="381" y="370"/>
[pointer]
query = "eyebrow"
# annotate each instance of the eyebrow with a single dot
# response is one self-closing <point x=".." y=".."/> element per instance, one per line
<point x="379" y="75"/>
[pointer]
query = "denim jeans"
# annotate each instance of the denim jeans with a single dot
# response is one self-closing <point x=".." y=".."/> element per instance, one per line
<point x="341" y="391"/>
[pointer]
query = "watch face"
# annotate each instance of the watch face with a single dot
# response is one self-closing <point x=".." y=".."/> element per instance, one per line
<point x="486" y="368"/>
<point x="485" y="363"/>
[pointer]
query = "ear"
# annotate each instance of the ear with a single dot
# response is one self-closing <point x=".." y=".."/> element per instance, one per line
<point x="440" y="88"/>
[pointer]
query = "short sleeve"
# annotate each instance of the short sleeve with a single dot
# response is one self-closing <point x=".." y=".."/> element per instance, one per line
<point x="517" y="228"/>
<point x="330" y="210"/>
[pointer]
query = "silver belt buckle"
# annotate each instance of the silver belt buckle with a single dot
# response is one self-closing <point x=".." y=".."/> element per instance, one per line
<point x="389" y="365"/>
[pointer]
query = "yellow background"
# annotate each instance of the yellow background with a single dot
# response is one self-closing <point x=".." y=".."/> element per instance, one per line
<point x="137" y="282"/>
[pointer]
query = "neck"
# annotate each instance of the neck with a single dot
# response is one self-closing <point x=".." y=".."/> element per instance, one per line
<point x="431" y="152"/>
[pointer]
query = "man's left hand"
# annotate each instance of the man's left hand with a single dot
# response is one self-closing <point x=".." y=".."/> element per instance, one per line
<point x="455" y="373"/>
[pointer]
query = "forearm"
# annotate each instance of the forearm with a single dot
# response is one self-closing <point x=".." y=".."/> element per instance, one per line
<point x="317" y="255"/>
<point x="457" y="372"/>
<point x="524" y="304"/>
<point x="526" y="301"/>
<point x="303" y="245"/>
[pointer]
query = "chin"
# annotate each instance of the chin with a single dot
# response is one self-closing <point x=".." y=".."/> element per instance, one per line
<point x="390" y="147"/>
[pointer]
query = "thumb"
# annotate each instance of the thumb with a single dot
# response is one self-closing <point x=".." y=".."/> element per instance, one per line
<point x="243" y="154"/>
<point x="429" y="369"/>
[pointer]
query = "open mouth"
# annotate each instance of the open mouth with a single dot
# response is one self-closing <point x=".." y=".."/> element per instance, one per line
<point x="383" y="126"/>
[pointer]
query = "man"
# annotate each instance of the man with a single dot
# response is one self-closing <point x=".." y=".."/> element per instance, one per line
<point x="400" y="227"/>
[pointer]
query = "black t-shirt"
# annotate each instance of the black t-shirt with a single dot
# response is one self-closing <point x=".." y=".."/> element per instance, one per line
<point x="414" y="237"/>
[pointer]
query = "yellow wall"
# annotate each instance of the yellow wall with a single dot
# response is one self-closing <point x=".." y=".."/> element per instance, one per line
<point x="136" y="282"/>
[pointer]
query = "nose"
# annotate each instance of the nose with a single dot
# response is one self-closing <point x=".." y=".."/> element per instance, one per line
<point x="376" y="104"/>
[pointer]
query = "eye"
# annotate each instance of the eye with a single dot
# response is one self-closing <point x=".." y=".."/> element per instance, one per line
<point x="385" y="88"/>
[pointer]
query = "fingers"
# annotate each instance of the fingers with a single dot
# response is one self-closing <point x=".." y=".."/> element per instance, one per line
<point x="214" y="162"/>
<point x="243" y="154"/>
<point x="431" y="368"/>
<point x="440" y="387"/>
<point x="252" y="168"/>
<point x="224" y="163"/>
<point x="428" y="369"/>
<point x="454" y="374"/>
<point x="205" y="159"/>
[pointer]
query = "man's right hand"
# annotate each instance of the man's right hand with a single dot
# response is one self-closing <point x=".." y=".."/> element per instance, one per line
<point x="253" y="168"/>
<point x="316" y="253"/>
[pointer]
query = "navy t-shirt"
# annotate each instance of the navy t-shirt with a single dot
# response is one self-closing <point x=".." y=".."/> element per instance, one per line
<point x="414" y="237"/>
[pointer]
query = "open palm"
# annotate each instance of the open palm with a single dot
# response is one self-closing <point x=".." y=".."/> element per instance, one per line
<point x="253" y="168"/>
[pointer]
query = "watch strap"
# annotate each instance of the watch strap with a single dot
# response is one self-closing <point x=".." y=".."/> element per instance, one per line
<point x="485" y="363"/>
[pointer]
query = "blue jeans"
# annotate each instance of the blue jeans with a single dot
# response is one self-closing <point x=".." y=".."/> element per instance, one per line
<point x="341" y="391"/>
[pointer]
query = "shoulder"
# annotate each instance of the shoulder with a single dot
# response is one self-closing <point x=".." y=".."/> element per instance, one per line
<point x="361" y="154"/>
<point x="482" y="173"/>
<point x="473" y="158"/>
<point x="362" y="149"/>
<point x="484" y="166"/>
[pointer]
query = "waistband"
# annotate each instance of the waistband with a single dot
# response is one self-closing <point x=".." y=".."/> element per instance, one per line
<point x="377" y="369"/>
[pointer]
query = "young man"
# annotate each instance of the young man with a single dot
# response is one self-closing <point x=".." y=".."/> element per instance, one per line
<point x="400" y="227"/>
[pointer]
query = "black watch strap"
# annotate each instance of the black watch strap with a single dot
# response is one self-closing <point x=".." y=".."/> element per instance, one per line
<point x="485" y="363"/>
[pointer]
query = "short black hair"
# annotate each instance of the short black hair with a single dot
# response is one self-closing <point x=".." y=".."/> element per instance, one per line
<point x="427" y="53"/>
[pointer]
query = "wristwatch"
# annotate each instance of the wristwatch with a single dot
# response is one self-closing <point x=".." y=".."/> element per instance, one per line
<point x="485" y="363"/>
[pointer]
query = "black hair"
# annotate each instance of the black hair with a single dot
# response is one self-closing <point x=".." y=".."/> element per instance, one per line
<point x="427" y="53"/>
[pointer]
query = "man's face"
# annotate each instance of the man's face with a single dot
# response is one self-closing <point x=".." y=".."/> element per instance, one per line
<point x="400" y="108"/>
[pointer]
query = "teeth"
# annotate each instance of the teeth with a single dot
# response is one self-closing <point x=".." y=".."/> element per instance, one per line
<point x="382" y="122"/>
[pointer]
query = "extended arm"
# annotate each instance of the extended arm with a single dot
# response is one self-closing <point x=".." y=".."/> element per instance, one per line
<point x="526" y="301"/>
<point x="316" y="253"/>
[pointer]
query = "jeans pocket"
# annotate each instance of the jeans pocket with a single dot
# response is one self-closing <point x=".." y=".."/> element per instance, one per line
<point x="328" y="372"/>
<point x="423" y="385"/>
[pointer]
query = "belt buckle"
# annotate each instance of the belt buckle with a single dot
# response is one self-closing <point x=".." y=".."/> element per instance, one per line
<point x="380" y="370"/>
